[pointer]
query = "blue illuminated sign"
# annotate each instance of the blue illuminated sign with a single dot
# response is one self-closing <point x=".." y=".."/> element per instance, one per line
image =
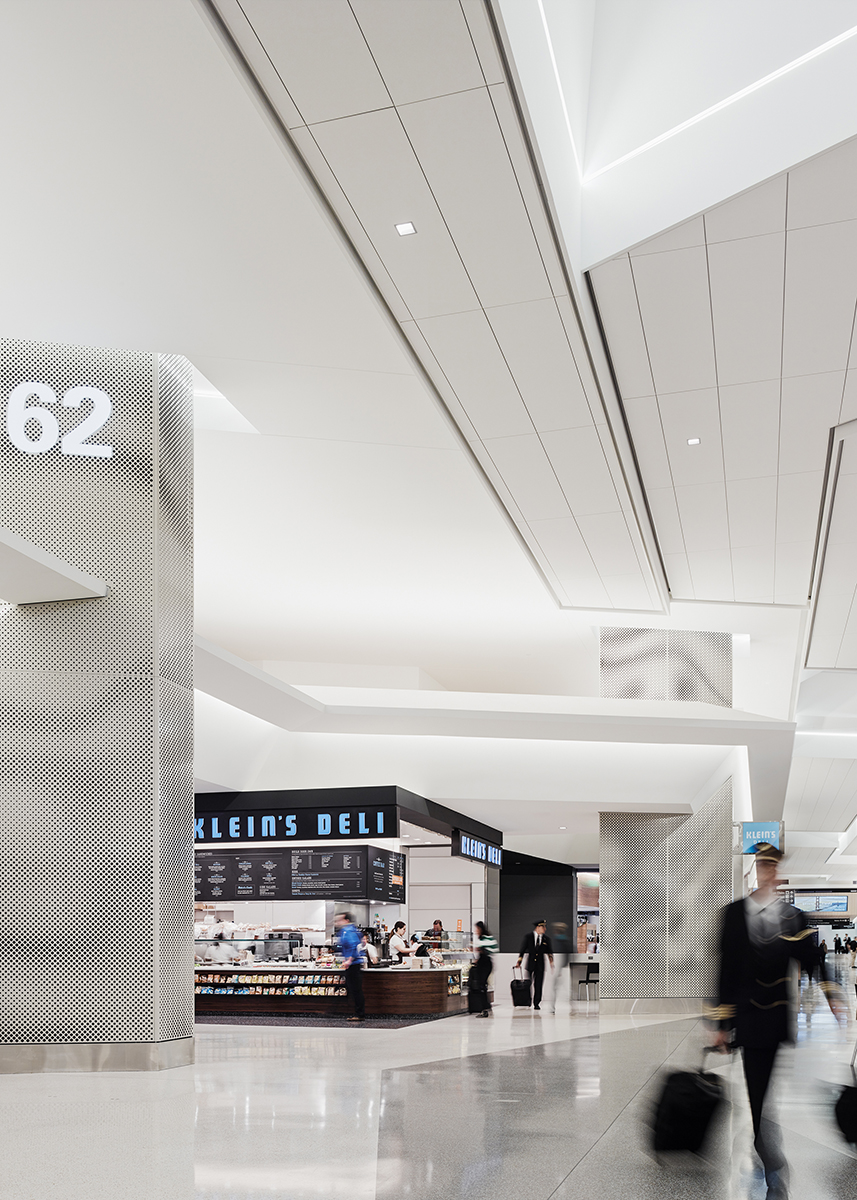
<point x="304" y="824"/>
<point x="754" y="832"/>
<point x="466" y="846"/>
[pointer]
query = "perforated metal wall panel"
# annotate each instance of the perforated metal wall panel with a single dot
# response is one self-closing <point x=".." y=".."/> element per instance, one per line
<point x="666" y="664"/>
<point x="96" y="793"/>
<point x="664" y="881"/>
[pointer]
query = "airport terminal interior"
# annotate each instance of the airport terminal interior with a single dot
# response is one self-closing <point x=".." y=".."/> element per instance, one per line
<point x="428" y="637"/>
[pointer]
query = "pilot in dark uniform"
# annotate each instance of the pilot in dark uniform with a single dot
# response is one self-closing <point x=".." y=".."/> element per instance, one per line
<point x="759" y="938"/>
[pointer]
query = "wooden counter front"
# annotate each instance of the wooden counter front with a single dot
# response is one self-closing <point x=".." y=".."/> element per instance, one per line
<point x="388" y="991"/>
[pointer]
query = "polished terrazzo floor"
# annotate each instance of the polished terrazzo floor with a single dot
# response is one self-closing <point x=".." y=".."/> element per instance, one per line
<point x="550" y="1105"/>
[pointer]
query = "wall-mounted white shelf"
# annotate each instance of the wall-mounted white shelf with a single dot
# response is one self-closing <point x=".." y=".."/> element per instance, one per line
<point x="31" y="575"/>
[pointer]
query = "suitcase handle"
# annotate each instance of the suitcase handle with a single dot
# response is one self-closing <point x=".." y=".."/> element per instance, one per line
<point x="521" y="969"/>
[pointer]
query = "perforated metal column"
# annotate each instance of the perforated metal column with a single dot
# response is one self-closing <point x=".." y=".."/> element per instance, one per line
<point x="664" y="881"/>
<point x="96" y="793"/>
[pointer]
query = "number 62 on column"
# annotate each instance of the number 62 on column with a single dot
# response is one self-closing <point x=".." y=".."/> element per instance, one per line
<point x="26" y="404"/>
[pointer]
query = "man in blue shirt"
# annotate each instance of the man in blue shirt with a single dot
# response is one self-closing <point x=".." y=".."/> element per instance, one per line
<point x="351" y="948"/>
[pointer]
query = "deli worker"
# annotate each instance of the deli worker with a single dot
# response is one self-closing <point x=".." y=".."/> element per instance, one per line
<point x="398" y="945"/>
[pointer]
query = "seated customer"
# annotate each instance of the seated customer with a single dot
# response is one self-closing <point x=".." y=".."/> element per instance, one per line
<point x="398" y="946"/>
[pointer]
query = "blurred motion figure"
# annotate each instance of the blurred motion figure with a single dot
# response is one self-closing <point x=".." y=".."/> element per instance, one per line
<point x="759" y="938"/>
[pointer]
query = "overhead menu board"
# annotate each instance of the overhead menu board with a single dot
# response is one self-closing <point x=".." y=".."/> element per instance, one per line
<point x="334" y="873"/>
<point x="386" y="875"/>
<point x="328" y="874"/>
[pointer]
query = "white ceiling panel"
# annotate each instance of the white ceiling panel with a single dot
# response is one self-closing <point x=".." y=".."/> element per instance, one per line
<point x="665" y="514"/>
<point x="752" y="505"/>
<point x="525" y="466"/>
<point x="750" y="420"/>
<point x="847" y="658"/>
<point x="821" y="289"/>
<point x="421" y="50"/>
<point x="444" y="147"/>
<point x="842" y="803"/>
<point x="620" y="313"/>
<point x="673" y="291"/>
<point x="704" y="520"/>
<point x="581" y="469"/>
<point x="711" y="572"/>
<point x="519" y="155"/>
<point x="378" y="171"/>
<point x="565" y="548"/>
<point x="759" y="211"/>
<point x="753" y="573"/>
<point x="458" y="140"/>
<point x="824" y="189"/>
<point x="644" y="419"/>
<point x="666" y="519"/>
<point x="810" y="408"/>
<point x="441" y="384"/>
<point x="746" y="279"/>
<point x="678" y="574"/>
<point x="606" y="535"/>
<point x="689" y="233"/>
<point x="782" y="308"/>
<point x="472" y="362"/>
<point x="628" y="591"/>
<point x="327" y="66"/>
<point x="314" y="158"/>
<point x="483" y="40"/>
<point x="580" y="348"/>
<point x="798" y="500"/>
<point x="833" y="633"/>
<point x="848" y="412"/>
<point x="793" y="565"/>
<point x="533" y="341"/>
<point x="686" y="415"/>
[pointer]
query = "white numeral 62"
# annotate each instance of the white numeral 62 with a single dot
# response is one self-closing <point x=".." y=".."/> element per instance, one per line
<point x="19" y="411"/>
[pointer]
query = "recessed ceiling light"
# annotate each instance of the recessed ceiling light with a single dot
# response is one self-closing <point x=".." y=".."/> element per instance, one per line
<point x="693" y="441"/>
<point x="405" y="228"/>
<point x="563" y="826"/>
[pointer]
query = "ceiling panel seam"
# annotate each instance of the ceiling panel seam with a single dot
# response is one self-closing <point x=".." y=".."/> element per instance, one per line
<point x="780" y="412"/>
<point x="622" y="407"/>
<point x="609" y="548"/>
<point x="719" y="408"/>
<point x="539" y="177"/>
<point x="235" y="54"/>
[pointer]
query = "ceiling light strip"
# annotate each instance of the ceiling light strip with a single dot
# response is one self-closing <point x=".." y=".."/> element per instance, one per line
<point x="715" y="108"/>
<point x="559" y="87"/>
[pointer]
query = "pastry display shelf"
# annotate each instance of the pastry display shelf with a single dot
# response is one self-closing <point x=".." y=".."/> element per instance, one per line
<point x="292" y="989"/>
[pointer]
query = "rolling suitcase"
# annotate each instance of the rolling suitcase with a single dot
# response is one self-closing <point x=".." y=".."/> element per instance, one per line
<point x="477" y="999"/>
<point x="846" y="1111"/>
<point x="521" y="994"/>
<point x="684" y="1112"/>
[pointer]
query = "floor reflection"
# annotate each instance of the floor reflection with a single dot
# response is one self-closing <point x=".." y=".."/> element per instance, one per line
<point x="556" y="1108"/>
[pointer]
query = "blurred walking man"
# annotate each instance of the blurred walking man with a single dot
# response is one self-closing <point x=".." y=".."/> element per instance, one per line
<point x="759" y="937"/>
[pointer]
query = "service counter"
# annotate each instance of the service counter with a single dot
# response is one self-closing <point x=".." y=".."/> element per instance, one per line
<point x="295" y="989"/>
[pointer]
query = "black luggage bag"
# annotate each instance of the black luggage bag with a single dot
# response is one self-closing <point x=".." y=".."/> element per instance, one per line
<point x="686" y="1108"/>
<point x="477" y="999"/>
<point x="846" y="1111"/>
<point x="521" y="991"/>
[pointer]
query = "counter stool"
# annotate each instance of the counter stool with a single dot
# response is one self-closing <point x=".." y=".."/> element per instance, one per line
<point x="591" y="979"/>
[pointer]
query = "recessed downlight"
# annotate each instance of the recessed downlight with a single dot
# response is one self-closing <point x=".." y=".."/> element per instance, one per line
<point x="405" y="228"/>
<point x="563" y="827"/>
<point x="693" y="441"/>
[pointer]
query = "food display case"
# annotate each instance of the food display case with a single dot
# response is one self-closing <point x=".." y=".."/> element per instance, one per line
<point x="307" y="988"/>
